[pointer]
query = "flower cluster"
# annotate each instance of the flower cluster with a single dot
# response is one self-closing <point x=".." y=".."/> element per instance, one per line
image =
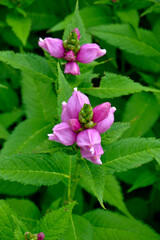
<point x="83" y="125"/>
<point x="71" y="51"/>
<point x="30" y="236"/>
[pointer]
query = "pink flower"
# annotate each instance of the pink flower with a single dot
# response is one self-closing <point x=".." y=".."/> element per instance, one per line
<point x="95" y="158"/>
<point x="41" y="236"/>
<point x="72" y="68"/>
<point x="53" y="45"/>
<point x="89" y="52"/>
<point x="83" y="125"/>
<point x="62" y="133"/>
<point x="71" y="51"/>
<point x="87" y="139"/>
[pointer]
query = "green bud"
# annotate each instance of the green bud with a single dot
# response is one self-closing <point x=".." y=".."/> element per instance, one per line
<point x="71" y="47"/>
<point x="65" y="43"/>
<point x="86" y="114"/>
<point x="82" y="119"/>
<point x="73" y="41"/>
<point x="89" y="124"/>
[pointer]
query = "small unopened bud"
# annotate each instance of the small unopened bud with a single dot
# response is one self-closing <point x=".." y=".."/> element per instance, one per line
<point x="41" y="236"/>
<point x="86" y="113"/>
<point x="30" y="236"/>
<point x="89" y="124"/>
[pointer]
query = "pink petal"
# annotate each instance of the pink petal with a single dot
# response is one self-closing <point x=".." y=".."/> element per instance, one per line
<point x="53" y="45"/>
<point x="95" y="158"/>
<point x="105" y="124"/>
<point x="70" y="56"/>
<point x="76" y="102"/>
<point x="72" y="68"/>
<point x="74" y="124"/>
<point x="65" y="115"/>
<point x="62" y="133"/>
<point x="100" y="112"/>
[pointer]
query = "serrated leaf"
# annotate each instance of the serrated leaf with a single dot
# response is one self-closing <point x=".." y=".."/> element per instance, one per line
<point x="142" y="42"/>
<point x="114" y="133"/>
<point x="113" y="194"/>
<point x="3" y="133"/>
<point x="39" y="98"/>
<point x="109" y="225"/>
<point x="141" y="114"/>
<point x="8" y="118"/>
<point x="129" y="153"/>
<point x="114" y="85"/>
<point x="64" y="90"/>
<point x="18" y="23"/>
<point x="30" y="63"/>
<point x="93" y="179"/>
<point x="35" y="169"/>
<point x="26" y="210"/>
<point x="54" y="224"/>
<point x="76" y="22"/>
<point x="79" y="229"/>
<point x="26" y="136"/>
<point x="9" y="223"/>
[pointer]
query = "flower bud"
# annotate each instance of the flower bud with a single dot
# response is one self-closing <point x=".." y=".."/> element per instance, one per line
<point x="72" y="68"/>
<point x="41" y="236"/>
<point x="70" y="56"/>
<point x="74" y="124"/>
<point x="76" y="102"/>
<point x="88" y="138"/>
<point x="100" y="112"/>
<point x="89" y="52"/>
<point x="105" y="124"/>
<point x="62" y="133"/>
<point x="86" y="113"/>
<point x="77" y="32"/>
<point x="53" y="45"/>
<point x="93" y="157"/>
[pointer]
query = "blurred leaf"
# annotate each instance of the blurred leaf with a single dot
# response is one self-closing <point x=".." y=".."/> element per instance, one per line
<point x="35" y="169"/>
<point x="124" y="37"/>
<point x="129" y="16"/>
<point x="141" y="114"/>
<point x="114" y="85"/>
<point x="114" y="133"/>
<point x="3" y="132"/>
<point x="54" y="224"/>
<point x="113" y="194"/>
<point x="18" y="24"/>
<point x="110" y="225"/>
<point x="39" y="98"/>
<point x="30" y="63"/>
<point x="9" y="118"/>
<point x="129" y="153"/>
<point x="138" y="207"/>
<point x="26" y="136"/>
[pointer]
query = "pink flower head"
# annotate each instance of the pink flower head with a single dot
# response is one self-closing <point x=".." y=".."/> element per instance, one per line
<point x="62" y="133"/>
<point x="53" y="45"/>
<point x="71" y="51"/>
<point x="87" y="139"/>
<point x="89" y="52"/>
<point x="41" y="236"/>
<point x="95" y="158"/>
<point x="105" y="124"/>
<point x="72" y="68"/>
<point x="83" y="125"/>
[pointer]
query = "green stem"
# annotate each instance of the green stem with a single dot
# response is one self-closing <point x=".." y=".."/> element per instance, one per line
<point x="75" y="180"/>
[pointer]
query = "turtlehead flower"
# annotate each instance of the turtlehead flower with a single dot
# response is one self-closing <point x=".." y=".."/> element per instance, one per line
<point x="71" y="51"/>
<point x="83" y="125"/>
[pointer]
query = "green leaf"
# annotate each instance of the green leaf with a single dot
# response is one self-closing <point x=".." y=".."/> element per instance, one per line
<point x="147" y="178"/>
<point x="64" y="91"/>
<point x="129" y="16"/>
<point x="35" y="169"/>
<point x="3" y="133"/>
<point x="114" y="133"/>
<point x="79" y="229"/>
<point x="124" y="37"/>
<point x="109" y="225"/>
<point x="18" y="23"/>
<point x="141" y="114"/>
<point x="114" y="85"/>
<point x="9" y="223"/>
<point x="3" y="86"/>
<point x="113" y="194"/>
<point x="93" y="179"/>
<point x="39" y="98"/>
<point x="76" y="22"/>
<point x="26" y="136"/>
<point x="129" y="153"/>
<point x="54" y="224"/>
<point x="30" y="63"/>
<point x="8" y="118"/>
<point x="26" y="210"/>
